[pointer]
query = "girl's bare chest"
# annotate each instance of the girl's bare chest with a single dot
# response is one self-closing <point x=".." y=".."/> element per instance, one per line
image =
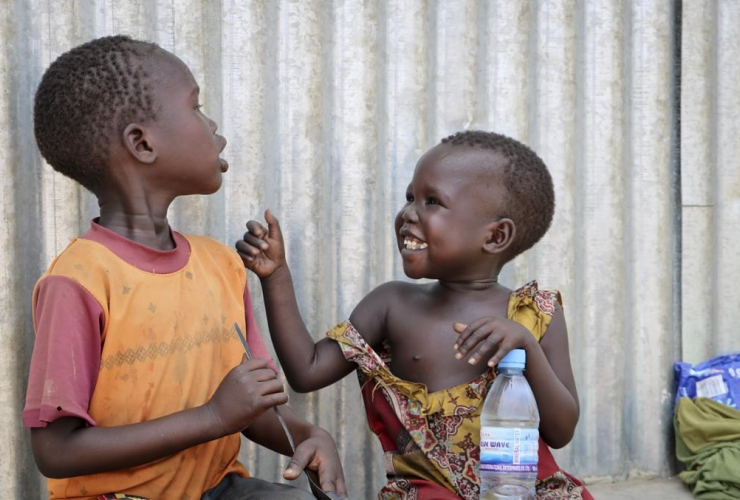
<point x="422" y="345"/>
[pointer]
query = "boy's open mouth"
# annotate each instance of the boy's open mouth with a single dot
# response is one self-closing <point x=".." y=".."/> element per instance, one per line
<point x="411" y="243"/>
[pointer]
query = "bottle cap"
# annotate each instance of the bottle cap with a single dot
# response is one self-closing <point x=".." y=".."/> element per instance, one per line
<point x="516" y="358"/>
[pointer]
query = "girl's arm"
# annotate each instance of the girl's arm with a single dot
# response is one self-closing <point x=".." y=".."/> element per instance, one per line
<point x="548" y="368"/>
<point x="68" y="447"/>
<point x="308" y="365"/>
<point x="551" y="377"/>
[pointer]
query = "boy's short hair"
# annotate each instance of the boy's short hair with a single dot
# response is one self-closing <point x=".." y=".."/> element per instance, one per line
<point x="85" y="97"/>
<point x="531" y="200"/>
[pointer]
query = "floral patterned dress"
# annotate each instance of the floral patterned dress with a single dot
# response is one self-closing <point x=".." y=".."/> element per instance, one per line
<point x="431" y="439"/>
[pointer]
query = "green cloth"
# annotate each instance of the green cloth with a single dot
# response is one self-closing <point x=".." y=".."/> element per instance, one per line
<point x="708" y="443"/>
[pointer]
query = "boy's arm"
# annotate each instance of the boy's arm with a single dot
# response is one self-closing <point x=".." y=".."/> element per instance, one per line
<point x="68" y="447"/>
<point x="308" y="366"/>
<point x="315" y="448"/>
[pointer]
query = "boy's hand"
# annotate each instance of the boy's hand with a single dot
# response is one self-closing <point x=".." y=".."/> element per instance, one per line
<point x="488" y="336"/>
<point x="262" y="250"/>
<point x="247" y="391"/>
<point x="319" y="453"/>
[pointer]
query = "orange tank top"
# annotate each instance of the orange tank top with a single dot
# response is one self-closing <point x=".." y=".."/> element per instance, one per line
<point x="166" y="345"/>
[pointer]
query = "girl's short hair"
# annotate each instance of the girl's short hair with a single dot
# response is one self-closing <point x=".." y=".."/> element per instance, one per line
<point x="531" y="198"/>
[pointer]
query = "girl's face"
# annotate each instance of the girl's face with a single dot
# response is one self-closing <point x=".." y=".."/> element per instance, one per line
<point x="453" y="197"/>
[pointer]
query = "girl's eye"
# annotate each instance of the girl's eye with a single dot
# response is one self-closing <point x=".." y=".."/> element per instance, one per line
<point x="198" y="106"/>
<point x="409" y="197"/>
<point x="432" y="201"/>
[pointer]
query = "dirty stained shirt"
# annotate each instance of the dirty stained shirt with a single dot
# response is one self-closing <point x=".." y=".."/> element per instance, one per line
<point x="126" y="334"/>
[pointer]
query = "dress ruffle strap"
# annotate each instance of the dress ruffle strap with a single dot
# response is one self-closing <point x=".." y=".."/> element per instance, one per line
<point x="534" y="308"/>
<point x="459" y="400"/>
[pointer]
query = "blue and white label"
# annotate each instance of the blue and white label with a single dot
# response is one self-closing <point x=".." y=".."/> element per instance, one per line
<point x="507" y="449"/>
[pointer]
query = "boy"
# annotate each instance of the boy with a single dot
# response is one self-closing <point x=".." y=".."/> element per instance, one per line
<point x="138" y="385"/>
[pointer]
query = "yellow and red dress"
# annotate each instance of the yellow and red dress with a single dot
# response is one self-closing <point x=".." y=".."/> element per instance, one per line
<point x="432" y="439"/>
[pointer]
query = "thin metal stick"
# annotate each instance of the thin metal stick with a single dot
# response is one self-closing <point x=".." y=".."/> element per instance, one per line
<point x="312" y="482"/>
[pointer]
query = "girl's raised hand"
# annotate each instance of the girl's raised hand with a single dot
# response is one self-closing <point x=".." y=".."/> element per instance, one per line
<point x="262" y="250"/>
<point x="490" y="337"/>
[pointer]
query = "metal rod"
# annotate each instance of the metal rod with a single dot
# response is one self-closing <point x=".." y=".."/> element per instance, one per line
<point x="312" y="482"/>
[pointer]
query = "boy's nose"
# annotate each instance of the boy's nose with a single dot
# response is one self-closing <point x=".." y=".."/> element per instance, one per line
<point x="214" y="125"/>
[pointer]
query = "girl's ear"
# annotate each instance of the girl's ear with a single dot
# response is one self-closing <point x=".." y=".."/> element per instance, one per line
<point x="501" y="234"/>
<point x="138" y="143"/>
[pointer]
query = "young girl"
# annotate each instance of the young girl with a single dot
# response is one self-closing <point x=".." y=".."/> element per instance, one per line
<point x="426" y="352"/>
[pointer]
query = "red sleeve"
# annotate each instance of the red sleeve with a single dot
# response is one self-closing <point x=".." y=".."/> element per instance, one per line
<point x="66" y="353"/>
<point x="254" y="337"/>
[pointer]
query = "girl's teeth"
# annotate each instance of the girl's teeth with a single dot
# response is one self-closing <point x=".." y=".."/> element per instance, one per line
<point x="414" y="245"/>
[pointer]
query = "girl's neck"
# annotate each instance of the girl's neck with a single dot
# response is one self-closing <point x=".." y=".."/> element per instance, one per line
<point x="490" y="284"/>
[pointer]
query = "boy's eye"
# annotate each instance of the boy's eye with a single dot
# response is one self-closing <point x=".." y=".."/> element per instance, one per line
<point x="198" y="106"/>
<point x="432" y="201"/>
<point x="409" y="197"/>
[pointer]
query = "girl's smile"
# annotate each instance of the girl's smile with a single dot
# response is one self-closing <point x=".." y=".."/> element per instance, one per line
<point x="414" y="244"/>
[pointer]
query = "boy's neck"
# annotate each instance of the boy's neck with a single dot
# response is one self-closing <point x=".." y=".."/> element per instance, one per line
<point x="138" y="220"/>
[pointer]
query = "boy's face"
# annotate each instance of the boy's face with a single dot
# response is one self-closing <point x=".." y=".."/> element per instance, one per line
<point x="453" y="198"/>
<point x="188" y="147"/>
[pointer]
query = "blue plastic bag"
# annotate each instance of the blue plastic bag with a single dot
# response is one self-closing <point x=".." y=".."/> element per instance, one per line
<point x="717" y="379"/>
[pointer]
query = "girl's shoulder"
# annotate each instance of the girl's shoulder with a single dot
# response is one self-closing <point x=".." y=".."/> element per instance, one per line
<point x="534" y="308"/>
<point x="381" y="301"/>
<point x="530" y="295"/>
<point x="392" y="291"/>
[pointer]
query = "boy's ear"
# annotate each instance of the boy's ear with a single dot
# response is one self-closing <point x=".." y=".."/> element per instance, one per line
<point x="501" y="234"/>
<point x="138" y="142"/>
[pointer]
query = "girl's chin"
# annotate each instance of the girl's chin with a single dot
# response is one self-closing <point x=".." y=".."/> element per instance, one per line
<point x="414" y="274"/>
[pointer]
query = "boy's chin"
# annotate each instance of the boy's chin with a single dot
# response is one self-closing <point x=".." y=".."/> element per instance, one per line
<point x="214" y="187"/>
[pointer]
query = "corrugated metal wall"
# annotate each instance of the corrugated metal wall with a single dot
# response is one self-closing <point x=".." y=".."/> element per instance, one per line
<point x="328" y="104"/>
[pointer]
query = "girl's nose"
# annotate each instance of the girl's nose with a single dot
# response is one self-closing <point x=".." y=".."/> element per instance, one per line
<point x="409" y="214"/>
<point x="214" y="125"/>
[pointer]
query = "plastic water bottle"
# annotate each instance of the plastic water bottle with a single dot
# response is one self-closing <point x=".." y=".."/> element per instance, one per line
<point x="509" y="433"/>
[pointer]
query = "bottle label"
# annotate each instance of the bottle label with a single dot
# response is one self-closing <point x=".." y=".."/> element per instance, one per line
<point x="509" y="449"/>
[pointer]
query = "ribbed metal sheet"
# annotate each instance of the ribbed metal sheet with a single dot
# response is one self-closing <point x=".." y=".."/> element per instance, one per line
<point x="327" y="105"/>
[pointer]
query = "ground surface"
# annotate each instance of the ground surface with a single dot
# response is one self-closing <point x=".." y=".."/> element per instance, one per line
<point x="643" y="489"/>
